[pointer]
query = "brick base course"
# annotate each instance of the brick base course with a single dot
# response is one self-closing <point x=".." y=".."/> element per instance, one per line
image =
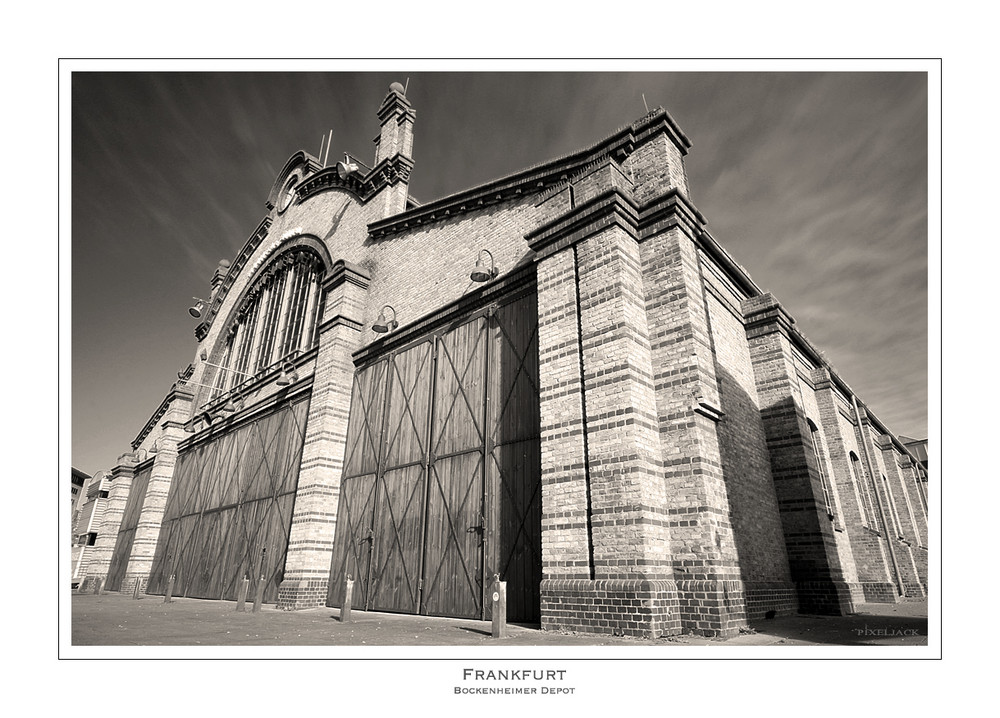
<point x="129" y="582"/>
<point x="880" y="593"/>
<point x="712" y="608"/>
<point x="764" y="597"/>
<point x="626" y="607"/>
<point x="302" y="594"/>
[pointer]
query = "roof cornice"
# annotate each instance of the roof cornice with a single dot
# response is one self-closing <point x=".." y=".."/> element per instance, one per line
<point x="618" y="146"/>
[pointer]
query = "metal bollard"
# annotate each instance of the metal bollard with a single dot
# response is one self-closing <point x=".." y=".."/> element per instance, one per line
<point x="135" y="591"/>
<point x="345" y="609"/>
<point x="258" y="595"/>
<point x="241" y="595"/>
<point x="168" y="597"/>
<point x="499" y="607"/>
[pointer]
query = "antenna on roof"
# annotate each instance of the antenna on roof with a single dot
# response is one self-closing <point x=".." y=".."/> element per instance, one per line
<point x="406" y="86"/>
<point x="322" y="143"/>
<point x="328" y="143"/>
<point x="644" y="102"/>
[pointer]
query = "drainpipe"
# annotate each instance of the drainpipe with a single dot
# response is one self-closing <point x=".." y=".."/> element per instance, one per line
<point x="878" y="496"/>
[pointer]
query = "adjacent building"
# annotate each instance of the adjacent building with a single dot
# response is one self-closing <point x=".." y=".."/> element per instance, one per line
<point x="558" y="379"/>
<point x="90" y="494"/>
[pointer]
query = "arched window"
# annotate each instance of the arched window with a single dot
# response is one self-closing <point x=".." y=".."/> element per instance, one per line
<point x="864" y="493"/>
<point x="287" y="193"/>
<point x="892" y="508"/>
<point x="277" y="318"/>
<point x="821" y="466"/>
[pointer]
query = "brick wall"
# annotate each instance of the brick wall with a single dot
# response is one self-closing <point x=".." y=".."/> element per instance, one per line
<point x="754" y="515"/>
<point x="117" y="483"/>
<point x="813" y="557"/>
<point x="900" y="553"/>
<point x="823" y="442"/>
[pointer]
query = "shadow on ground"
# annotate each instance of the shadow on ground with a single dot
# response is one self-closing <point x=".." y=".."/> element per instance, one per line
<point x="117" y="620"/>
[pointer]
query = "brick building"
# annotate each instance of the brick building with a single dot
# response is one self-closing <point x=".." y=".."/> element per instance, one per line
<point x="558" y="377"/>
<point x="89" y="502"/>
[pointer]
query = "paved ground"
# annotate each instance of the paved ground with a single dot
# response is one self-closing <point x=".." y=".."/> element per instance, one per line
<point x="117" y="620"/>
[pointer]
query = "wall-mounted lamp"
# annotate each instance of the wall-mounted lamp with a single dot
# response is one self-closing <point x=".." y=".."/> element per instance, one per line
<point x="197" y="309"/>
<point x="288" y="374"/>
<point x="234" y="404"/>
<point x="383" y="325"/>
<point x="481" y="273"/>
<point x="346" y="168"/>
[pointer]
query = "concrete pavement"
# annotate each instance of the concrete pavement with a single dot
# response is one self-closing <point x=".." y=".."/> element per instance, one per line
<point x="116" y="620"/>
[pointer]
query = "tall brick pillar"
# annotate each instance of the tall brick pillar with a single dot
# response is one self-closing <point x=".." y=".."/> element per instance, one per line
<point x="606" y="546"/>
<point x="705" y="562"/>
<point x="310" y="542"/>
<point x="867" y="547"/>
<point x="107" y="533"/>
<point x="566" y="542"/>
<point x="394" y="150"/>
<point x="908" y="539"/>
<point x="147" y="530"/>
<point x="813" y="559"/>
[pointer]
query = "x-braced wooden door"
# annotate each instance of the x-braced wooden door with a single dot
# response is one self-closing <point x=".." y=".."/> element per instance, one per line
<point x="441" y="477"/>
<point x="456" y="531"/>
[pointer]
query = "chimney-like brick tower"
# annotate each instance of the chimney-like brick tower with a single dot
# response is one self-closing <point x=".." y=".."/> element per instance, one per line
<point x="394" y="148"/>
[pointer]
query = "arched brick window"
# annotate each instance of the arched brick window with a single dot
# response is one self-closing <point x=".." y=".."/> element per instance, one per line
<point x="278" y="317"/>
<point x="867" y="506"/>
<point x="896" y="523"/>
<point x="821" y="465"/>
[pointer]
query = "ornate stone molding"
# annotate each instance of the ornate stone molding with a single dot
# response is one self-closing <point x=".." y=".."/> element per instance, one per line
<point x="344" y="271"/>
<point x="175" y="393"/>
<point x="201" y="331"/>
<point x="386" y="173"/>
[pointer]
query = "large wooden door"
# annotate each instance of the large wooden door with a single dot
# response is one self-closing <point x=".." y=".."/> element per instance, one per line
<point x="456" y="524"/>
<point x="441" y="480"/>
<point x="400" y="489"/>
<point x="229" y="511"/>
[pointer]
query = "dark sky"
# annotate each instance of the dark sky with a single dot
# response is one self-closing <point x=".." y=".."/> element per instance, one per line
<point x="816" y="183"/>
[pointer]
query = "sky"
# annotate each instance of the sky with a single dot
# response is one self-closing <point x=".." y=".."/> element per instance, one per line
<point x="816" y="183"/>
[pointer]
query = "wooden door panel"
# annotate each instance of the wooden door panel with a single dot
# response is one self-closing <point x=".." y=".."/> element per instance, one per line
<point x="513" y="383"/>
<point x="365" y="424"/>
<point x="409" y="397"/>
<point x="397" y="555"/>
<point x="515" y="552"/>
<point x="459" y="390"/>
<point x="453" y="552"/>
<point x="352" y="546"/>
